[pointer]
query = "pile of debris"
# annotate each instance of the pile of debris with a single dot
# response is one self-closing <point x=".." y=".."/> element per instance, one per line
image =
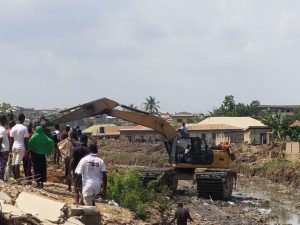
<point x="25" y="204"/>
<point x="33" y="209"/>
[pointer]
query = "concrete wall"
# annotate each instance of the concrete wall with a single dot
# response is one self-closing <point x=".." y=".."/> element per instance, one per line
<point x="292" y="151"/>
<point x="218" y="137"/>
<point x="209" y="136"/>
<point x="256" y="136"/>
<point x="292" y="148"/>
<point x="177" y="120"/>
<point x="141" y="136"/>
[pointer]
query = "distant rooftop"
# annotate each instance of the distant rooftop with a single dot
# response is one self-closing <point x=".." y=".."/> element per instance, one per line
<point x="136" y="128"/>
<point x="295" y="124"/>
<point x="279" y="106"/>
<point x="182" y="114"/>
<point x="233" y="122"/>
<point x="212" y="127"/>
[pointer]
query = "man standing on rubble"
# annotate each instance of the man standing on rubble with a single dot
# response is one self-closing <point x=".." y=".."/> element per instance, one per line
<point x="181" y="215"/>
<point x="18" y="144"/>
<point x="78" y="153"/>
<point x="4" y="146"/>
<point x="93" y="171"/>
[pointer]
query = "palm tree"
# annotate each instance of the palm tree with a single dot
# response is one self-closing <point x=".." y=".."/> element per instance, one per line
<point x="151" y="105"/>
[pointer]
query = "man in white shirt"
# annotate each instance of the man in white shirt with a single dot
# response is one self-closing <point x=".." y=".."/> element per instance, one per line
<point x="4" y="146"/>
<point x="93" y="171"/>
<point x="19" y="144"/>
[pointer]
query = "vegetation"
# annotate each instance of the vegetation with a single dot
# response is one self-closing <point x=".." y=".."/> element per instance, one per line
<point x="280" y="124"/>
<point x="5" y="108"/>
<point x="276" y="164"/>
<point x="127" y="189"/>
<point x="230" y="108"/>
<point x="198" y="117"/>
<point x="151" y="105"/>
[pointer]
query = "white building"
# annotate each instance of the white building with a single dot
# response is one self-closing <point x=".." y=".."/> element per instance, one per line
<point x="216" y="130"/>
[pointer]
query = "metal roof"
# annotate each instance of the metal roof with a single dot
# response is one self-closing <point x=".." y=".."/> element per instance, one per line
<point x="238" y="122"/>
<point x="212" y="127"/>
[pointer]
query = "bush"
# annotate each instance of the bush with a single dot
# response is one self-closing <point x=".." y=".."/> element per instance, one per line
<point x="127" y="189"/>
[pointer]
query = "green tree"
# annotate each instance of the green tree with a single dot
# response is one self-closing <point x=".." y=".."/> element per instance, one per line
<point x="279" y="123"/>
<point x="151" y="105"/>
<point x="5" y="108"/>
<point x="296" y="114"/>
<point x="230" y="108"/>
<point x="254" y="108"/>
<point x="198" y="117"/>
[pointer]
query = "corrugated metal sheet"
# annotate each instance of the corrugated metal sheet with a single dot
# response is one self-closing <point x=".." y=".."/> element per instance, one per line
<point x="240" y="122"/>
<point x="137" y="128"/>
<point x="212" y="127"/>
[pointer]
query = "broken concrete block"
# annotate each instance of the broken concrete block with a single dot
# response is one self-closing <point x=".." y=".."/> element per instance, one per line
<point x="40" y="207"/>
<point x="73" y="221"/>
<point x="86" y="214"/>
<point x="5" y="197"/>
<point x="11" y="210"/>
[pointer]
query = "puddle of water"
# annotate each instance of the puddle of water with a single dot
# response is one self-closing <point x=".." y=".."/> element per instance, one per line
<point x="285" y="217"/>
<point x="282" y="199"/>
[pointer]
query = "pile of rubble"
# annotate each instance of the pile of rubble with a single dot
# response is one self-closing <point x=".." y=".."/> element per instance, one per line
<point x="34" y="209"/>
<point x="25" y="204"/>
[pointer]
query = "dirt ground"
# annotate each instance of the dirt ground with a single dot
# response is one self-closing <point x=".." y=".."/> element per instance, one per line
<point x="239" y="210"/>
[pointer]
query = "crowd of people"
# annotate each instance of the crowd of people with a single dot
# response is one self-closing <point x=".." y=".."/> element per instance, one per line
<point x="31" y="145"/>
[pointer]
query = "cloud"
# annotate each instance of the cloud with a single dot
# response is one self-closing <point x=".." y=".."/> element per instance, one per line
<point x="188" y="54"/>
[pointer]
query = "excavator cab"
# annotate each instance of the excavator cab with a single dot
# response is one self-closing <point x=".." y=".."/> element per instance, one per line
<point x="190" y="152"/>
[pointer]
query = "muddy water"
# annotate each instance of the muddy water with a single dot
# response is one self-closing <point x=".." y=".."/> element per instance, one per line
<point x="284" y="201"/>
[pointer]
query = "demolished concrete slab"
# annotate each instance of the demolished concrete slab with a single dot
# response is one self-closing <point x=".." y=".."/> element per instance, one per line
<point x="86" y="214"/>
<point x="74" y="221"/>
<point x="5" y="198"/>
<point x="11" y="210"/>
<point x="40" y="207"/>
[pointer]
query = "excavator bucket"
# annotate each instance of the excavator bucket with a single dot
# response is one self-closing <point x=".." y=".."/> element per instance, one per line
<point x="86" y="110"/>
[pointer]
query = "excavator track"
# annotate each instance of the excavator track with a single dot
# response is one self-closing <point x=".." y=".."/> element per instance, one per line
<point x="216" y="184"/>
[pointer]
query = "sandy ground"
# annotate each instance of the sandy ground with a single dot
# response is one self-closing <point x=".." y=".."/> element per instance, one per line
<point x="239" y="210"/>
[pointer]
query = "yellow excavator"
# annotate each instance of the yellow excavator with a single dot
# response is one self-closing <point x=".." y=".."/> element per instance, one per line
<point x="210" y="168"/>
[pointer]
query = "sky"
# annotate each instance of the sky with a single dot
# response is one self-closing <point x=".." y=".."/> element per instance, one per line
<point x="188" y="54"/>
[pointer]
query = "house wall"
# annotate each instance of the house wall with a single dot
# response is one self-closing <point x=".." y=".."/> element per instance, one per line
<point x="216" y="137"/>
<point x="141" y="136"/>
<point x="236" y="137"/>
<point x="292" y="151"/>
<point x="256" y="136"/>
<point x="209" y="136"/>
<point x="177" y="120"/>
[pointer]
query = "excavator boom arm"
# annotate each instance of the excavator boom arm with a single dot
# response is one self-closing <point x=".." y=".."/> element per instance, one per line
<point x="108" y="106"/>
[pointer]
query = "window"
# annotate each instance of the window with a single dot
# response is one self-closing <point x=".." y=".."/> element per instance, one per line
<point x="213" y="135"/>
<point x="101" y="130"/>
<point x="179" y="120"/>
